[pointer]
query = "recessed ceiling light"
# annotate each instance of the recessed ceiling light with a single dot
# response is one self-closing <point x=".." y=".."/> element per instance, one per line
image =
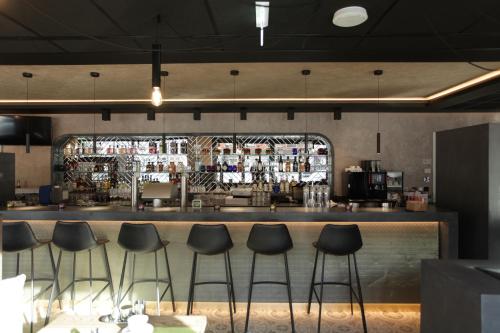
<point x="350" y="16"/>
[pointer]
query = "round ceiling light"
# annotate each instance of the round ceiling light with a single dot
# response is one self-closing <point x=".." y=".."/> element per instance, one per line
<point x="350" y="16"/>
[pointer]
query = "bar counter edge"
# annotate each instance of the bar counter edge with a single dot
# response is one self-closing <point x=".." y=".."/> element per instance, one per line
<point x="448" y="220"/>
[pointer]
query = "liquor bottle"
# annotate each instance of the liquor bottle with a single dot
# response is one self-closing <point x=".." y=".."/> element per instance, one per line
<point x="161" y="147"/>
<point x="131" y="148"/>
<point x="288" y="164"/>
<point x="260" y="185"/>
<point x="152" y="148"/>
<point x="293" y="183"/>
<point x="282" y="186"/>
<point x="224" y="166"/>
<point x="219" y="167"/>
<point x="280" y="165"/>
<point x="184" y="147"/>
<point x="287" y="186"/>
<point x="307" y="166"/>
<point x="172" y="169"/>
<point x="247" y="166"/>
<point x="197" y="165"/>
<point x="160" y="166"/>
<point x="110" y="150"/>
<point x="122" y="150"/>
<point x="240" y="165"/>
<point x="255" y="165"/>
<point x="295" y="164"/>
<point x="173" y="148"/>
<point x="302" y="166"/>
<point x="260" y="167"/>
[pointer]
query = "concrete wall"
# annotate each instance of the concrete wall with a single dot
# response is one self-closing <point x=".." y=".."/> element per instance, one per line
<point x="406" y="137"/>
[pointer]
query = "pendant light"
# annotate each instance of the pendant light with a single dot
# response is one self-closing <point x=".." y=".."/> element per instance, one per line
<point x="234" y="73"/>
<point x="378" y="73"/>
<point x="164" y="75"/>
<point x="28" y="76"/>
<point x="306" y="73"/>
<point x="156" y="97"/>
<point x="94" y="76"/>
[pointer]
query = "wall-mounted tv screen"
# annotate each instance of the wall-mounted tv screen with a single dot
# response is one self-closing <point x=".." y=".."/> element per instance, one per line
<point x="40" y="129"/>
<point x="13" y="130"/>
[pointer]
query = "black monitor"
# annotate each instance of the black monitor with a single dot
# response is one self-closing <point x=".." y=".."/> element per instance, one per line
<point x="40" y="129"/>
<point x="12" y="130"/>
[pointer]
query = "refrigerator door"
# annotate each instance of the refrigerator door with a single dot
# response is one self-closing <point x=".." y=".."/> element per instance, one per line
<point x="357" y="185"/>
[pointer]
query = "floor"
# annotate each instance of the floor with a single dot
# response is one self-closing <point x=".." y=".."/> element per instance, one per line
<point x="275" y="318"/>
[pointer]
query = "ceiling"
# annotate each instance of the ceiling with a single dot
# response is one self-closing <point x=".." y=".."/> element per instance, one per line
<point x="208" y="31"/>
<point x="256" y="80"/>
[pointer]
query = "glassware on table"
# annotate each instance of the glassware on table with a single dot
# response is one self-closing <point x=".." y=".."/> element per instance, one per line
<point x="139" y="307"/>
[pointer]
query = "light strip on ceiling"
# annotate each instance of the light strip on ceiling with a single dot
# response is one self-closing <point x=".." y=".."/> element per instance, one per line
<point x="216" y="100"/>
<point x="465" y="85"/>
<point x="446" y="92"/>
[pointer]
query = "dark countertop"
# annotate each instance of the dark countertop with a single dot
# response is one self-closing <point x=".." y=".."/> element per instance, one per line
<point x="460" y="296"/>
<point x="228" y="214"/>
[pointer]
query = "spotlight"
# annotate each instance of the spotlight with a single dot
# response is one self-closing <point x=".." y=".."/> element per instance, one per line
<point x="151" y="115"/>
<point x="337" y="115"/>
<point x="197" y="114"/>
<point x="106" y="115"/>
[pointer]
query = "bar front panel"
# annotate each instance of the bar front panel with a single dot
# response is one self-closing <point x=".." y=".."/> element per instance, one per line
<point x="389" y="261"/>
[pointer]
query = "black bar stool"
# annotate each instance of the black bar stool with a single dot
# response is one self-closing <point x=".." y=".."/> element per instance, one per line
<point x="19" y="237"/>
<point x="76" y="237"/>
<point x="338" y="240"/>
<point x="270" y="239"/>
<point x="211" y="240"/>
<point x="144" y="239"/>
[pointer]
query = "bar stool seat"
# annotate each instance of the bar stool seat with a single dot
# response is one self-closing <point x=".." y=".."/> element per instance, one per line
<point x="270" y="239"/>
<point x="75" y="237"/>
<point x="211" y="239"/>
<point x="143" y="238"/>
<point x="19" y="237"/>
<point x="338" y="240"/>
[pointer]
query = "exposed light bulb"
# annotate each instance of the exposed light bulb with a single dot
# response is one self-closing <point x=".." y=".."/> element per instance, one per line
<point x="156" y="98"/>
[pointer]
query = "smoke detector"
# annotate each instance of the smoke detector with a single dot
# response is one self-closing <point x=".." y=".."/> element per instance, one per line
<point x="350" y="16"/>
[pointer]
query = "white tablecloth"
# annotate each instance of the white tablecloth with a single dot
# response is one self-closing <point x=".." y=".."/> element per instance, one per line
<point x="64" y="322"/>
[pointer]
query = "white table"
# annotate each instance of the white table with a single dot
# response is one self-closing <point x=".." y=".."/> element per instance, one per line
<point x="64" y="322"/>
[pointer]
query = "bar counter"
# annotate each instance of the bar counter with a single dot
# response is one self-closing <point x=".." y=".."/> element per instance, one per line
<point x="394" y="240"/>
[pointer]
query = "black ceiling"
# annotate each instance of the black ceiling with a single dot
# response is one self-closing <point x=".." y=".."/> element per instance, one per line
<point x="122" y="31"/>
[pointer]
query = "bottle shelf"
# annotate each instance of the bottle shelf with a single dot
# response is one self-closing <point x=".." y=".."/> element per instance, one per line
<point x="196" y="155"/>
<point x="197" y="150"/>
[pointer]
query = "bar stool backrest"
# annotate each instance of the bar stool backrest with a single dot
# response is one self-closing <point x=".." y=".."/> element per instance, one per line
<point x="269" y="239"/>
<point x="340" y="239"/>
<point x="141" y="237"/>
<point x="73" y="236"/>
<point x="18" y="236"/>
<point x="209" y="239"/>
